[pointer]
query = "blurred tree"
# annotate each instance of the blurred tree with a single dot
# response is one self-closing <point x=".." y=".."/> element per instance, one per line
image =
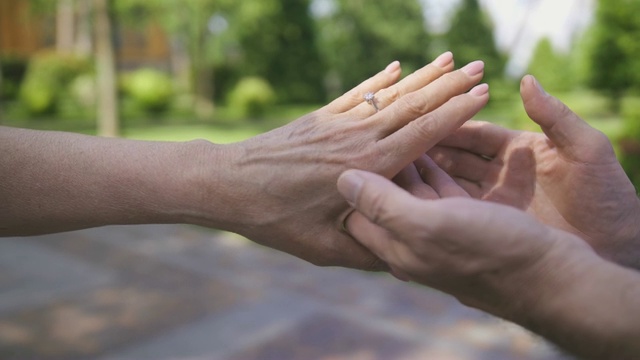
<point x="186" y="24"/>
<point x="277" y="42"/>
<point x="552" y="69"/>
<point x="107" y="100"/>
<point x="470" y="37"/>
<point x="615" y="48"/>
<point x="65" y="22"/>
<point x="360" y="37"/>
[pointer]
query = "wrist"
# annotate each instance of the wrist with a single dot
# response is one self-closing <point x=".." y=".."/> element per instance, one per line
<point x="581" y="302"/>
<point x="211" y="189"/>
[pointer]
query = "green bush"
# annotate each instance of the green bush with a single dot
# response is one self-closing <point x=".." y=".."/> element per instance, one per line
<point x="252" y="97"/>
<point x="150" y="90"/>
<point x="629" y="143"/>
<point x="13" y="71"/>
<point x="47" y="80"/>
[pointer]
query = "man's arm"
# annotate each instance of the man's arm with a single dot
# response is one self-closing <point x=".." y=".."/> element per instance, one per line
<point x="500" y="260"/>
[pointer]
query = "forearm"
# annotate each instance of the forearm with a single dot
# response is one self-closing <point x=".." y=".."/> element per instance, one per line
<point x="586" y="305"/>
<point x="52" y="181"/>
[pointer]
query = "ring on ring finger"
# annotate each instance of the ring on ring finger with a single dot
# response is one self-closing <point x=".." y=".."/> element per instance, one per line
<point x="370" y="98"/>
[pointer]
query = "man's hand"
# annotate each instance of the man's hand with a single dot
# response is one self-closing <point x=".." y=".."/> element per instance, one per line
<point x="498" y="259"/>
<point x="568" y="177"/>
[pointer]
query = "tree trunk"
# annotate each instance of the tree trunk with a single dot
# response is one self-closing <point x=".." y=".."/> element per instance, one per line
<point x="65" y="21"/>
<point x="83" y="43"/>
<point x="180" y="63"/>
<point x="201" y="76"/>
<point x="1" y="94"/>
<point x="106" y="71"/>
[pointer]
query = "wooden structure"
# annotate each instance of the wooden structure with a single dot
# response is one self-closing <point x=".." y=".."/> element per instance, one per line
<point x="24" y="33"/>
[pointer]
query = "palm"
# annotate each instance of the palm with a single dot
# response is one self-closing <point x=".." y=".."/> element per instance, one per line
<point x="587" y="196"/>
<point x="568" y="177"/>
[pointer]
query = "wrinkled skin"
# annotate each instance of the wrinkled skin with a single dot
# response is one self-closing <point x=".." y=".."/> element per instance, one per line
<point x="567" y="177"/>
<point x="288" y="175"/>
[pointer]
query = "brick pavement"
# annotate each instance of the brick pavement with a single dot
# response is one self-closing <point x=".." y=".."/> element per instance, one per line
<point x="179" y="292"/>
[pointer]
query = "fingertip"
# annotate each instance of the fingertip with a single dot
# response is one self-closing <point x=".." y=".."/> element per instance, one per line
<point x="530" y="86"/>
<point x="349" y="184"/>
<point x="480" y="90"/>
<point x="392" y="68"/>
<point x="474" y="68"/>
<point x="535" y="100"/>
<point x="444" y="59"/>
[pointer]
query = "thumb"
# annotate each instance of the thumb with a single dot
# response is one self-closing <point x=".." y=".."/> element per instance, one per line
<point x="381" y="201"/>
<point x="562" y="126"/>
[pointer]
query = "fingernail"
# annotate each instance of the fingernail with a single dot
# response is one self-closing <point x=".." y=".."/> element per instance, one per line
<point x="537" y="84"/>
<point x="349" y="184"/>
<point x="444" y="59"/>
<point x="393" y="67"/>
<point x="474" y="68"/>
<point x="479" y="90"/>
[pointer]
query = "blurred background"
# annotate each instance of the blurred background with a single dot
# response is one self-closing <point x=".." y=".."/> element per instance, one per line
<point x="226" y="70"/>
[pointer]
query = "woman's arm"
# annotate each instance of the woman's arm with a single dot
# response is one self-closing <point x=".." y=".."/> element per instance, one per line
<point x="277" y="189"/>
<point x="55" y="181"/>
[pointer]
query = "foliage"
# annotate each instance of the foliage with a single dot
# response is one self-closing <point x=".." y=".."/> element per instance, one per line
<point x="629" y="143"/>
<point x="47" y="80"/>
<point x="361" y="37"/>
<point x="13" y="70"/>
<point x="275" y="40"/>
<point x="551" y="68"/>
<point x="615" y="47"/>
<point x="151" y="90"/>
<point x="252" y="96"/>
<point x="470" y="37"/>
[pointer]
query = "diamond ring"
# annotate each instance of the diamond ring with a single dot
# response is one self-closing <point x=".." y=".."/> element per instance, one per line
<point x="370" y="98"/>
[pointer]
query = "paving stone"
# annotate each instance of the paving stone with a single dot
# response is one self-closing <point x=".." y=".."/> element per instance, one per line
<point x="180" y="292"/>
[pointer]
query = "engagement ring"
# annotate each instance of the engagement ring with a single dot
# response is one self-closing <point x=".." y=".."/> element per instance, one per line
<point x="370" y="98"/>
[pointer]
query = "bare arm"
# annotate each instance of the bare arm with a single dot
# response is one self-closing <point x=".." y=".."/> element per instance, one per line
<point x="54" y="181"/>
<point x="277" y="189"/>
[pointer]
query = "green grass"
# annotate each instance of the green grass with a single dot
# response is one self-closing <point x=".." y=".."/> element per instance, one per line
<point x="225" y="126"/>
<point x="216" y="134"/>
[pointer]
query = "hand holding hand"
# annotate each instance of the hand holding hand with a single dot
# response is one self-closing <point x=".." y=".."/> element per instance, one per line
<point x="568" y="177"/>
<point x="288" y="175"/>
<point x="486" y="255"/>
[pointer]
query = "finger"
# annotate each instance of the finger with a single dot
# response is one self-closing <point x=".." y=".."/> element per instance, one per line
<point x="423" y="101"/>
<point x="475" y="190"/>
<point x="355" y="96"/>
<point x="410" y="180"/>
<point x="373" y="237"/>
<point x="572" y="135"/>
<point x="462" y="163"/>
<point x="480" y="137"/>
<point x="378" y="199"/>
<point x="413" y="140"/>
<point x="439" y="180"/>
<point x="422" y="77"/>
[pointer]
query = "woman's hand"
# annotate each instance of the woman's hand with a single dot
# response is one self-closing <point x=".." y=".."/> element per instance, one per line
<point x="281" y="189"/>
<point x="568" y="177"/>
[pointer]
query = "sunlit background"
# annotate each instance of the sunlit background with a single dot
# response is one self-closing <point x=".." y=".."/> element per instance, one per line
<point x="226" y="70"/>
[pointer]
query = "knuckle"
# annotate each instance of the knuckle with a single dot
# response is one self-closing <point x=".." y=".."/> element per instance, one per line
<point x="354" y="96"/>
<point x="414" y="105"/>
<point x="426" y="127"/>
<point x="390" y="95"/>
